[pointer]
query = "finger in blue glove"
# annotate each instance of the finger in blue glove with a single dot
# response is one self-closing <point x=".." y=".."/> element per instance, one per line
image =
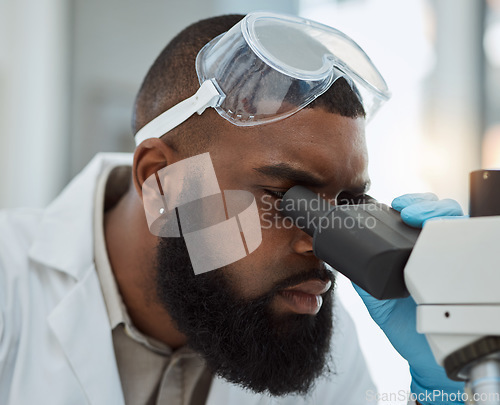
<point x="418" y="208"/>
<point x="405" y="200"/>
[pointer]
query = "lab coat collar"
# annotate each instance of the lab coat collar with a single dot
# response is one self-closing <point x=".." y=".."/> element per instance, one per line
<point x="82" y="328"/>
<point x="62" y="241"/>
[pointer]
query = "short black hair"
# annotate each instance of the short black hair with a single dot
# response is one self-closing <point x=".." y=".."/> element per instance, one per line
<point x="172" y="78"/>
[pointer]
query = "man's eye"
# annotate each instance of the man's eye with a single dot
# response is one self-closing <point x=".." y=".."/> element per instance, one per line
<point x="274" y="193"/>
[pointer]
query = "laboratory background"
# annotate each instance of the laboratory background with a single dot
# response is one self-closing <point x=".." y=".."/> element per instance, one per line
<point x="70" y="69"/>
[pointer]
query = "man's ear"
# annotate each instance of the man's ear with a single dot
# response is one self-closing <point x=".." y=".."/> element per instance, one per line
<point x="150" y="156"/>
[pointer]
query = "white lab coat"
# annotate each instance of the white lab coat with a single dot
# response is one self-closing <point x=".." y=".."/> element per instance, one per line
<point x="55" y="339"/>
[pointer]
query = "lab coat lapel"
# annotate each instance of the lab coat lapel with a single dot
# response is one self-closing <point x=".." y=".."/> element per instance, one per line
<point x="65" y="237"/>
<point x="79" y="321"/>
<point x="81" y="325"/>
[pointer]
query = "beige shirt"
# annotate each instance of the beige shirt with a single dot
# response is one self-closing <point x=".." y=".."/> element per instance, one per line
<point x="151" y="373"/>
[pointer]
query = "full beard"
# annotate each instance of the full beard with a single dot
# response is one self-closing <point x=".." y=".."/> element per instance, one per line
<point x="243" y="341"/>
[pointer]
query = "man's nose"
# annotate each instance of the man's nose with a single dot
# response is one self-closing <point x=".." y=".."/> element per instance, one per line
<point x="302" y="243"/>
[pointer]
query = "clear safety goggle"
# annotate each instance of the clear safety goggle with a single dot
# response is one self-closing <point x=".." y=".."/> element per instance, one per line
<point x="268" y="67"/>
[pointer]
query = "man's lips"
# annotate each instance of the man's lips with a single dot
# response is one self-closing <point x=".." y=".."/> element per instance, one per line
<point x="314" y="287"/>
<point x="305" y="298"/>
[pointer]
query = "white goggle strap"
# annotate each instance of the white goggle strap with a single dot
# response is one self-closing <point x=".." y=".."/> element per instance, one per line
<point x="207" y="96"/>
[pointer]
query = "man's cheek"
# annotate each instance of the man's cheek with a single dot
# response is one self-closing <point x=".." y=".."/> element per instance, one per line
<point x="267" y="220"/>
<point x="276" y="242"/>
<point x="273" y="220"/>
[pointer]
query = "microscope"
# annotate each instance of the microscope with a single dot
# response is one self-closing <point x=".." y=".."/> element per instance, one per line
<point x="451" y="268"/>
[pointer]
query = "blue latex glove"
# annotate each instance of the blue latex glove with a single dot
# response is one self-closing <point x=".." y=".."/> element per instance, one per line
<point x="397" y="317"/>
<point x="416" y="209"/>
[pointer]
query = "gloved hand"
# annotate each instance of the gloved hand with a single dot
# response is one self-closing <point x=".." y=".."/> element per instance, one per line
<point x="417" y="208"/>
<point x="397" y="317"/>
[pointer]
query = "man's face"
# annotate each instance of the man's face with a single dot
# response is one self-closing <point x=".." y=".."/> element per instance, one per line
<point x="238" y="317"/>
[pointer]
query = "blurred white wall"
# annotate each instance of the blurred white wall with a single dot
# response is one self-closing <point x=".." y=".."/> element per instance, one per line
<point x="456" y="99"/>
<point x="491" y="142"/>
<point x="33" y="99"/>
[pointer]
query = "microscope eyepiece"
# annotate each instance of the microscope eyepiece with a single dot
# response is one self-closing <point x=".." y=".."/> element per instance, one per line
<point x="367" y="242"/>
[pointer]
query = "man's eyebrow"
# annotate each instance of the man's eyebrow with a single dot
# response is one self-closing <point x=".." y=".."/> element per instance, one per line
<point x="283" y="171"/>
